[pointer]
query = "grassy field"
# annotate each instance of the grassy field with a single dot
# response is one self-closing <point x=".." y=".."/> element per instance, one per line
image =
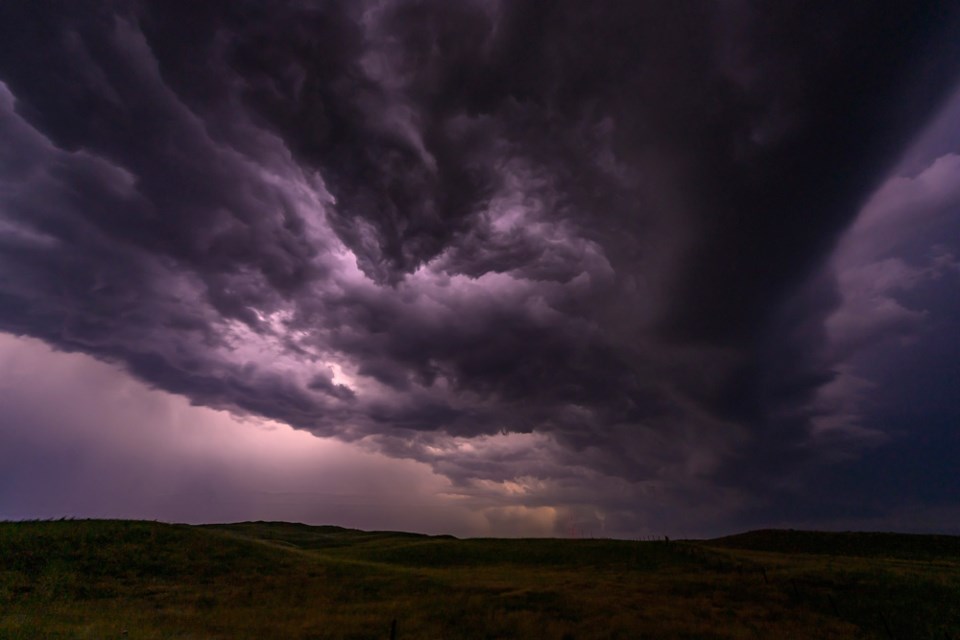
<point x="119" y="579"/>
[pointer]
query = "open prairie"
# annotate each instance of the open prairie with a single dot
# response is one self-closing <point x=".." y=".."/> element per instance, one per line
<point x="129" y="579"/>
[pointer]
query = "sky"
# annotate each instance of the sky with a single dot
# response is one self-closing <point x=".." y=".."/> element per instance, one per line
<point x="482" y="267"/>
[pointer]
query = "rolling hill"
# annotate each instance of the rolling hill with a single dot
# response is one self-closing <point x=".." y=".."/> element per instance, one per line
<point x="132" y="579"/>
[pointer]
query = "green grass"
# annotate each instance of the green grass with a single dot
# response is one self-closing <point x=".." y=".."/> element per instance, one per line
<point x="118" y="579"/>
<point x="892" y="545"/>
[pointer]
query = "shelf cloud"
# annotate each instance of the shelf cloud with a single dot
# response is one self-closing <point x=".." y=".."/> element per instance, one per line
<point x="621" y="254"/>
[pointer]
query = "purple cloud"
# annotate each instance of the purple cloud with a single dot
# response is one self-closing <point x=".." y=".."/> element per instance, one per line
<point x="530" y="245"/>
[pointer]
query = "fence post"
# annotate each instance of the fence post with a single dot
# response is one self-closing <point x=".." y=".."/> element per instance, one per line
<point x="886" y="625"/>
<point x="833" y="603"/>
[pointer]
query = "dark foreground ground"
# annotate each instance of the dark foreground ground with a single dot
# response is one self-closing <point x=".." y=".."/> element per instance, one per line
<point x="118" y="579"/>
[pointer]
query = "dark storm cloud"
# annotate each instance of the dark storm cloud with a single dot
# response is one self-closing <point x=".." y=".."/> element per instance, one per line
<point x="604" y="223"/>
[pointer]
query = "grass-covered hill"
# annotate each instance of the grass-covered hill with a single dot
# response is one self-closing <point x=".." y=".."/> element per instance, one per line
<point x="121" y="579"/>
<point x="890" y="545"/>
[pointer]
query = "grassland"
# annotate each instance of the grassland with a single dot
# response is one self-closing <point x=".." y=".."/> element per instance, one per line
<point x="121" y="579"/>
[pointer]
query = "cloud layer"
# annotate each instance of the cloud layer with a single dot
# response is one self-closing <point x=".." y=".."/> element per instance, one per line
<point x="546" y="244"/>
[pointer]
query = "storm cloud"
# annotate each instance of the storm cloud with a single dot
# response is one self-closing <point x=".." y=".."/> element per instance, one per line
<point x="602" y="248"/>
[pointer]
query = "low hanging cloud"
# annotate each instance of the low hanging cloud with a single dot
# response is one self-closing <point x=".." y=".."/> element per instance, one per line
<point x="541" y="243"/>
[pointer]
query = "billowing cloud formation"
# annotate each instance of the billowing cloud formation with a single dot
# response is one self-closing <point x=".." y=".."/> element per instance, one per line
<point x="605" y="229"/>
